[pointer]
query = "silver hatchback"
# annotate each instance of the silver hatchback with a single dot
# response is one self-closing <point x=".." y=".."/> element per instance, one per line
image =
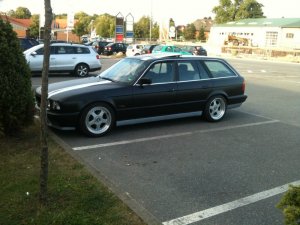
<point x="64" y="57"/>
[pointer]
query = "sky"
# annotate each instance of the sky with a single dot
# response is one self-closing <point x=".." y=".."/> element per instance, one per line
<point x="182" y="12"/>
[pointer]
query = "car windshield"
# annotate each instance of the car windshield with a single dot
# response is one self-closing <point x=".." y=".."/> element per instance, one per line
<point x="125" y="71"/>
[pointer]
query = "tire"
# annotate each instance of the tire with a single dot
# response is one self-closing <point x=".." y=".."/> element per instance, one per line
<point x="97" y="120"/>
<point x="81" y="70"/>
<point x="215" y="108"/>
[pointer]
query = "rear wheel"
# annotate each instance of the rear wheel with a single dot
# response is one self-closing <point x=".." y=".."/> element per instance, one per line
<point x="215" y="108"/>
<point x="97" y="120"/>
<point x="82" y="70"/>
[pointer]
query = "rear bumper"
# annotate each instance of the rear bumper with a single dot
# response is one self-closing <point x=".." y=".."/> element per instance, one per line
<point x="236" y="99"/>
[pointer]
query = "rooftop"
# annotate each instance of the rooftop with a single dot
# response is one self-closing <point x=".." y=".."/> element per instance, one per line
<point x="263" y="22"/>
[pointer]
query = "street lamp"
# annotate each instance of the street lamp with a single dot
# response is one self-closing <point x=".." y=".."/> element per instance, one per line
<point x="91" y="24"/>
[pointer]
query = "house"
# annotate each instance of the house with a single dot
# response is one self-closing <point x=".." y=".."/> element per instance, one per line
<point x="206" y="23"/>
<point x="279" y="33"/>
<point x="20" y="26"/>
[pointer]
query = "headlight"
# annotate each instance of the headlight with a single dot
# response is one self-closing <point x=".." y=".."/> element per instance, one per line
<point x="53" y="105"/>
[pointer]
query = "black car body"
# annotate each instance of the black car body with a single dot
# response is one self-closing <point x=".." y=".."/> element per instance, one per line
<point x="147" y="86"/>
<point x="114" y="48"/>
<point x="99" y="46"/>
<point x="196" y="50"/>
<point x="27" y="43"/>
<point x="148" y="49"/>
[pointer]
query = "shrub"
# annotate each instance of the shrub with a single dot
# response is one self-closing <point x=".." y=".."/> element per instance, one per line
<point x="290" y="205"/>
<point x="16" y="97"/>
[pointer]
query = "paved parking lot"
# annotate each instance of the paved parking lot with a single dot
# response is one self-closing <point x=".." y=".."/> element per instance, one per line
<point x="188" y="171"/>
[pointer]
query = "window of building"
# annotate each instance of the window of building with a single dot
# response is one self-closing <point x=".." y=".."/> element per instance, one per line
<point x="271" y="38"/>
<point x="289" y="35"/>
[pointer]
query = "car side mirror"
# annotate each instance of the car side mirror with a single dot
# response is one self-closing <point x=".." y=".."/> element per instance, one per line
<point x="144" y="81"/>
<point x="33" y="53"/>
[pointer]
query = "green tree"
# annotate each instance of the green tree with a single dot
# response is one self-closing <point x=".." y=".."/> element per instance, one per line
<point x="34" y="26"/>
<point x="189" y="31"/>
<point x="232" y="10"/>
<point x="81" y="27"/>
<point x="20" y="13"/>
<point x="105" y="25"/>
<point x="202" y="36"/>
<point x="155" y="31"/>
<point x="16" y="98"/>
<point x="142" y="28"/>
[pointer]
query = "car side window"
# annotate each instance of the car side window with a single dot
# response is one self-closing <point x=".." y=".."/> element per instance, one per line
<point x="219" y="69"/>
<point x="161" y="73"/>
<point x="61" y="50"/>
<point x="188" y="71"/>
<point x="40" y="51"/>
<point x="81" y="50"/>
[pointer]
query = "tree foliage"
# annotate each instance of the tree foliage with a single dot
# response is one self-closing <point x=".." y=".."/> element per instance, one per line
<point x="105" y="25"/>
<point x="20" y="13"/>
<point x="290" y="205"/>
<point x="34" y="26"/>
<point x="142" y="28"/>
<point x="232" y="10"/>
<point x="81" y="27"/>
<point x="202" y="36"/>
<point x="189" y="31"/>
<point x="16" y="98"/>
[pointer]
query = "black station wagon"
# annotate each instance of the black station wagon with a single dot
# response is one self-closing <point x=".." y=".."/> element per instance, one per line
<point x="146" y="87"/>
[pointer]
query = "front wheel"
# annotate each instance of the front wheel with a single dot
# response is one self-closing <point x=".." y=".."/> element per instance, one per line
<point x="215" y="109"/>
<point x="97" y="120"/>
<point x="82" y="70"/>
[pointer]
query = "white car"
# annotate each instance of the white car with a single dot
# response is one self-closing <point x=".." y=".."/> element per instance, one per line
<point x="64" y="57"/>
<point x="134" y="49"/>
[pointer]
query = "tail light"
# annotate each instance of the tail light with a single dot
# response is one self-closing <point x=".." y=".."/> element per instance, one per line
<point x="244" y="86"/>
<point x="109" y="48"/>
<point x="98" y="56"/>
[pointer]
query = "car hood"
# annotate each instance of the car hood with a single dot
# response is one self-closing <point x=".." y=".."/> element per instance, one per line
<point x="71" y="85"/>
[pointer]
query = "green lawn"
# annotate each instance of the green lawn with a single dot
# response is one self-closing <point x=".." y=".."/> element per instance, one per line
<point x="74" y="195"/>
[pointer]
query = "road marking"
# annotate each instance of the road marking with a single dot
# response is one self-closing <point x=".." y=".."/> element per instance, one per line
<point x="207" y="213"/>
<point x="249" y="71"/>
<point x="263" y="71"/>
<point x="171" y="135"/>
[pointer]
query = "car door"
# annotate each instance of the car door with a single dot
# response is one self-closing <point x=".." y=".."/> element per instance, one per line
<point x="194" y="85"/>
<point x="158" y="97"/>
<point x="63" y="58"/>
<point x="36" y="60"/>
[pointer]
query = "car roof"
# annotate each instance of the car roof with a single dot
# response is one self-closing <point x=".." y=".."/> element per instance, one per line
<point x="168" y="56"/>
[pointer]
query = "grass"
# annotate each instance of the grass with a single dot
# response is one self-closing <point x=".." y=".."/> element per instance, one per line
<point x="74" y="196"/>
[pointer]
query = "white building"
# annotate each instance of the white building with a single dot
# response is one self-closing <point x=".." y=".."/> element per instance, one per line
<point x="283" y="33"/>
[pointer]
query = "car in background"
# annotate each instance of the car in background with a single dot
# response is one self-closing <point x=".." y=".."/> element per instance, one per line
<point x="27" y="43"/>
<point x="148" y="49"/>
<point x="134" y="49"/>
<point x="195" y="50"/>
<point x="148" y="87"/>
<point x="64" y="57"/>
<point x="114" y="48"/>
<point x="169" y="49"/>
<point x="99" y="46"/>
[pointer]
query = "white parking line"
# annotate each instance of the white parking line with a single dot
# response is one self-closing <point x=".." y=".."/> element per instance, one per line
<point x="204" y="214"/>
<point x="171" y="135"/>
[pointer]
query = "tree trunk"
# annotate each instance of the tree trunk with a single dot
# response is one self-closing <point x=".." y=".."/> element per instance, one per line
<point x="44" y="97"/>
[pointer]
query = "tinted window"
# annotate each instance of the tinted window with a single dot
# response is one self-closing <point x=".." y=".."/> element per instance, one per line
<point x="81" y="50"/>
<point x="158" y="48"/>
<point x="218" y="69"/>
<point x="188" y="71"/>
<point x="161" y="72"/>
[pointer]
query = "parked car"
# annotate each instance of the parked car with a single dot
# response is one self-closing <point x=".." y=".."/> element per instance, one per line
<point x="114" y="48"/>
<point x="148" y="87"/>
<point x="148" y="49"/>
<point x="64" y="57"/>
<point x="99" y="46"/>
<point x="27" y="43"/>
<point x="168" y="49"/>
<point x="134" y="49"/>
<point x="195" y="50"/>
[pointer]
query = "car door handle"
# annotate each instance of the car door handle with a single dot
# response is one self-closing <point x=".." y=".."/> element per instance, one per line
<point x="74" y="58"/>
<point x="172" y="90"/>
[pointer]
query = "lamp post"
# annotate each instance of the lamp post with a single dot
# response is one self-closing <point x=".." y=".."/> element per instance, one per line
<point x="91" y="24"/>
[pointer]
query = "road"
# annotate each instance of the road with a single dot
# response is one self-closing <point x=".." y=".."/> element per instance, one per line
<point x="191" y="171"/>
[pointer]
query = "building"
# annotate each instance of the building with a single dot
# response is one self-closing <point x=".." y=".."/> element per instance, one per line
<point x="281" y="33"/>
<point x="20" y="26"/>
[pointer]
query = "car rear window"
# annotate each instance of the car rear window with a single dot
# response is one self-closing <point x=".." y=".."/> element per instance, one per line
<point x="219" y="69"/>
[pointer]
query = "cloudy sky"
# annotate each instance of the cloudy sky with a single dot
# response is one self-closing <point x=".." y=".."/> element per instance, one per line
<point x="182" y="12"/>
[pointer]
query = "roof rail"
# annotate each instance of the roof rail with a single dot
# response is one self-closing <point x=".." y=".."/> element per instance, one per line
<point x="166" y="55"/>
